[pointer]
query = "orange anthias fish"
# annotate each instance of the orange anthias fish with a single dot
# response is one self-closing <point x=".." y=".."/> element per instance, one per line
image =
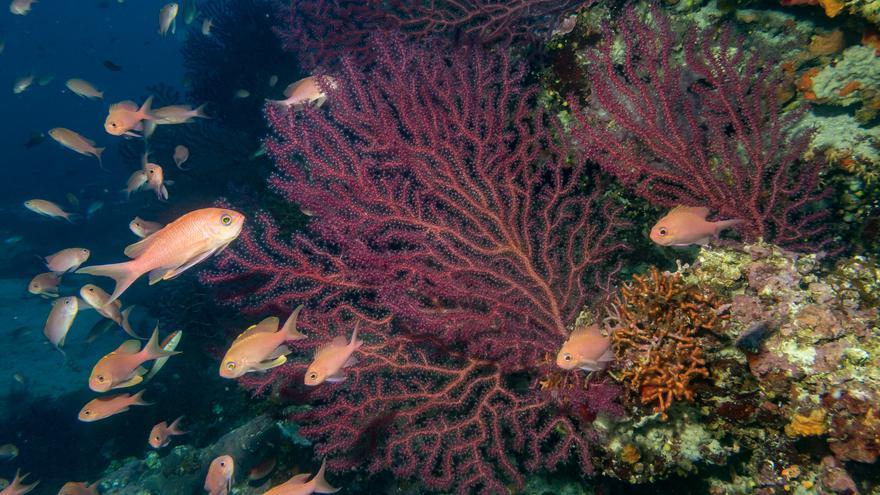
<point x="17" y="487"/>
<point x="686" y="225"/>
<point x="60" y="320"/>
<point x="143" y="228"/>
<point x="168" y="18"/>
<point x="136" y="181"/>
<point x="262" y="469"/>
<point x="45" y="284"/>
<point x="72" y="140"/>
<point x="47" y="209"/>
<point x="332" y="359"/>
<point x="299" y="486"/>
<point x="125" y="117"/>
<point x="307" y="91"/>
<point x="83" y="88"/>
<point x="169" y="252"/>
<point x="156" y="179"/>
<point x="260" y="347"/>
<point x="220" y="473"/>
<point x="179" y="114"/>
<point x="104" y="407"/>
<point x="181" y="155"/>
<point x="97" y="298"/>
<point x="122" y="367"/>
<point x="160" y="435"/>
<point x="67" y="260"/>
<point x="79" y="488"/>
<point x="21" y="7"/>
<point x="585" y="349"/>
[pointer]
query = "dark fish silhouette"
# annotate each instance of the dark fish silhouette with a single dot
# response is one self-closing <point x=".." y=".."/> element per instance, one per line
<point x="110" y="65"/>
<point x="36" y="139"/>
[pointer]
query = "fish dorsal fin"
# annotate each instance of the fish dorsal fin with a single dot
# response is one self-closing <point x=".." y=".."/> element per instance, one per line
<point x="138" y="248"/>
<point x="129" y="347"/>
<point x="337" y="342"/>
<point x="291" y="88"/>
<point x="700" y="211"/>
<point x="580" y="330"/>
<point x="124" y="105"/>
<point x="268" y="325"/>
<point x="299" y="479"/>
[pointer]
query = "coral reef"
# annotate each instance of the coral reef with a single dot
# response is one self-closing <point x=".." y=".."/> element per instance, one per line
<point x="657" y="326"/>
<point x="321" y="32"/>
<point x="707" y="132"/>
<point x="453" y="222"/>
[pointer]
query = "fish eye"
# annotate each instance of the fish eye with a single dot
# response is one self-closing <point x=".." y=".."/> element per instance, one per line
<point x="230" y="365"/>
<point x="101" y="378"/>
<point x="222" y="464"/>
<point x="91" y="289"/>
<point x="87" y="412"/>
<point x="662" y="231"/>
<point x="157" y="437"/>
<point x="566" y="357"/>
<point x="113" y="125"/>
<point x="226" y="219"/>
<point x="313" y="376"/>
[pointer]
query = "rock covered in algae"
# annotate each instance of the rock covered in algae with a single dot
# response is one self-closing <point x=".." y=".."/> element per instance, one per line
<point x="794" y="360"/>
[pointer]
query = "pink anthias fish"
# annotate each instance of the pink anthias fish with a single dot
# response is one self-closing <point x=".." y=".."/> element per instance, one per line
<point x="687" y="225"/>
<point x="299" y="486"/>
<point x="179" y="114"/>
<point x="124" y="118"/>
<point x="79" y="488"/>
<point x="307" y="91"/>
<point x="160" y="435"/>
<point x="75" y="141"/>
<point x="332" y="359"/>
<point x="45" y="284"/>
<point x="144" y="228"/>
<point x="47" y="209"/>
<point x="586" y="349"/>
<point x="60" y="320"/>
<point x="156" y="178"/>
<point x="169" y="252"/>
<point x="136" y="181"/>
<point x="67" y="260"/>
<point x="104" y="407"/>
<point x="220" y="473"/>
<point x="17" y="487"/>
<point x="261" y="347"/>
<point x="123" y="367"/>
<point x="97" y="298"/>
<point x="21" y="7"/>
<point x="181" y="155"/>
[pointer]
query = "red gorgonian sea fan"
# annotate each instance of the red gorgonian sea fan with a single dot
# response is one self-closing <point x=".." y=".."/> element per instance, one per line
<point x="320" y="32"/>
<point x="706" y="132"/>
<point x="454" y="220"/>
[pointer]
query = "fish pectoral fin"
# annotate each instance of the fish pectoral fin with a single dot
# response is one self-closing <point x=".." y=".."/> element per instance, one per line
<point x="351" y="361"/>
<point x="338" y="377"/>
<point x="606" y="356"/>
<point x="280" y="351"/>
<point x="268" y="365"/>
<point x="131" y="382"/>
<point x="169" y="273"/>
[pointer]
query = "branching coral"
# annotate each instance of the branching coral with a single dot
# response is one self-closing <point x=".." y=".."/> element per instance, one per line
<point x="657" y="321"/>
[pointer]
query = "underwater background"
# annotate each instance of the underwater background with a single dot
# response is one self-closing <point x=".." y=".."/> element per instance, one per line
<point x="471" y="246"/>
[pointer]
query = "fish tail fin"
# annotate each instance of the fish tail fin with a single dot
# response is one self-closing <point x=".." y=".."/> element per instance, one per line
<point x="98" y="153"/>
<point x="69" y="216"/>
<point x="321" y="485"/>
<point x="289" y="328"/>
<point x="175" y="429"/>
<point x="138" y="399"/>
<point x="126" y="325"/>
<point x="123" y="273"/>
<point x="200" y="111"/>
<point x="146" y="111"/>
<point x="153" y="350"/>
